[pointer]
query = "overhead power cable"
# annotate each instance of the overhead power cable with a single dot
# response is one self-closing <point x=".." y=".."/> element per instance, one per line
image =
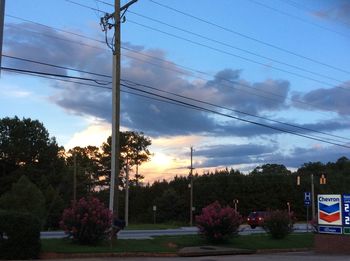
<point x="55" y="66"/>
<point x="55" y="28"/>
<point x="187" y="68"/>
<point x="232" y="83"/>
<point x="165" y="68"/>
<point x="55" y="74"/>
<point x="233" y="110"/>
<point x="298" y="18"/>
<point x="85" y="6"/>
<point x="235" y="47"/>
<point x="187" y="104"/>
<point x="240" y="119"/>
<point x="234" y="55"/>
<point x="304" y="8"/>
<point x="249" y="37"/>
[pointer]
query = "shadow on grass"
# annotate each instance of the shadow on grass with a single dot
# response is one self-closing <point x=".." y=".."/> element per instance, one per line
<point x="171" y="244"/>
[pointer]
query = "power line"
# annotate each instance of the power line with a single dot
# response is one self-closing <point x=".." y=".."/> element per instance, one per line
<point x="297" y="18"/>
<point x="250" y="37"/>
<point x="55" y="66"/>
<point x="187" y="68"/>
<point x="233" y="55"/>
<point x="55" y="74"/>
<point x="55" y="28"/>
<point x="221" y="78"/>
<point x="233" y="110"/>
<point x="307" y="9"/>
<point x="85" y="6"/>
<point x="235" y="47"/>
<point x="190" y="105"/>
<point x="240" y="119"/>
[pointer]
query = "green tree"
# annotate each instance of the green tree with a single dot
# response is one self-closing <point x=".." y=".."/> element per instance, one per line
<point x="89" y="169"/>
<point x="133" y="152"/>
<point x="27" y="149"/>
<point x="271" y="169"/>
<point x="25" y="197"/>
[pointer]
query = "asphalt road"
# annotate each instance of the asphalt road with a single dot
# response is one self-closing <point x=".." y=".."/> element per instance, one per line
<point x="304" y="256"/>
<point x="148" y="234"/>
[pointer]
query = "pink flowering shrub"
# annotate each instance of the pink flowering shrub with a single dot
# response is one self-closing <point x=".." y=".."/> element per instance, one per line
<point x="278" y="223"/>
<point x="218" y="223"/>
<point x="87" y="220"/>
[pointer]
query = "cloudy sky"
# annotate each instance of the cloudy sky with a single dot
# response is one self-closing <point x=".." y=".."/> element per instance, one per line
<point x="245" y="82"/>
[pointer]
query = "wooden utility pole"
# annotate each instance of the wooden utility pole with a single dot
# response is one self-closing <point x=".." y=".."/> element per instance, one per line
<point x="75" y="178"/>
<point x="115" y="150"/>
<point x="126" y="215"/>
<point x="2" y="18"/>
<point x="191" y="189"/>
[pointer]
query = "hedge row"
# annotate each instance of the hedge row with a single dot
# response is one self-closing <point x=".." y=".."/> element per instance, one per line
<point x="19" y="236"/>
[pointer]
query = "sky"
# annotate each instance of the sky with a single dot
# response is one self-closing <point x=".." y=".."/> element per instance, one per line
<point x="243" y="82"/>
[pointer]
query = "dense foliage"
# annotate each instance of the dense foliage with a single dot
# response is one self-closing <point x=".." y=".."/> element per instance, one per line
<point x="217" y="223"/>
<point x="87" y="221"/>
<point x="279" y="223"/>
<point x="22" y="239"/>
<point x="26" y="149"/>
<point x="24" y="197"/>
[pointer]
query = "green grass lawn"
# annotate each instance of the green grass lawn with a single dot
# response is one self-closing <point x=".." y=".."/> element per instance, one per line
<point x="154" y="226"/>
<point x="171" y="244"/>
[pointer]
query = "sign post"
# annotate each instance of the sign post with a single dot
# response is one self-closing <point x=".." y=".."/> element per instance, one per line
<point x="307" y="203"/>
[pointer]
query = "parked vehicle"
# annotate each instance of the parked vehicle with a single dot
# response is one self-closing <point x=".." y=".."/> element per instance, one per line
<point x="256" y="218"/>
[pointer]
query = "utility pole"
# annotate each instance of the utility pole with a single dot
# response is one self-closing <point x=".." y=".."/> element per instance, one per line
<point x="2" y="18"/>
<point x="313" y="208"/>
<point x="115" y="150"/>
<point x="127" y="193"/>
<point x="191" y="189"/>
<point x="75" y="178"/>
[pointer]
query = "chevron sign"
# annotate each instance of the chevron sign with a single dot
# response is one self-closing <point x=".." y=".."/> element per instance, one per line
<point x="329" y="210"/>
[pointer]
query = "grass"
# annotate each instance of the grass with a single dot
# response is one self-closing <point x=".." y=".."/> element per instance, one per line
<point x="154" y="226"/>
<point x="171" y="244"/>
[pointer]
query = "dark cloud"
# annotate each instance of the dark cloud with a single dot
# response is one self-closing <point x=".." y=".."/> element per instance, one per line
<point x="38" y="43"/>
<point x="252" y="98"/>
<point x="339" y="12"/>
<point x="257" y="155"/>
<point x="150" y="67"/>
<point x="298" y="156"/>
<point x="333" y="99"/>
<point x="230" y="154"/>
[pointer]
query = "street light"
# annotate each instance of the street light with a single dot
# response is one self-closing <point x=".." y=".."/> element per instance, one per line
<point x="154" y="213"/>
<point x="235" y="203"/>
<point x="288" y="205"/>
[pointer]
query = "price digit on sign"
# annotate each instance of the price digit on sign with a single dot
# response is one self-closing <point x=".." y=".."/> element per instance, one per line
<point x="347" y="220"/>
<point x="346" y="207"/>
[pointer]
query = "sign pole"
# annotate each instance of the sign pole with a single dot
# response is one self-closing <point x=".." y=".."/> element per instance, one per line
<point x="307" y="219"/>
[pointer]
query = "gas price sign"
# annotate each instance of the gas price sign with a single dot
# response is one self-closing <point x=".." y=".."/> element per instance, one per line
<point x="346" y="210"/>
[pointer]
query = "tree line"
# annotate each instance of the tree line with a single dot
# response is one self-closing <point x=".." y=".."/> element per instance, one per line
<point x="32" y="162"/>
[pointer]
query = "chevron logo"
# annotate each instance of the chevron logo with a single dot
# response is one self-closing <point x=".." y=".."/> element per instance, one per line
<point x="330" y="218"/>
<point x="329" y="208"/>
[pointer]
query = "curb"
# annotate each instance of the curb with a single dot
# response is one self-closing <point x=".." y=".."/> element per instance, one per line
<point x="283" y="250"/>
<point x="53" y="255"/>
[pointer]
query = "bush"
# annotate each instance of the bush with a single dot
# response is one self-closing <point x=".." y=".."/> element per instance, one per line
<point x="19" y="236"/>
<point x="279" y="223"/>
<point x="217" y="223"/>
<point x="25" y="197"/>
<point x="87" y="221"/>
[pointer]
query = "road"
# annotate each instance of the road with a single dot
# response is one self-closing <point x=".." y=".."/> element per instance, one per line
<point x="149" y="234"/>
<point x="291" y="256"/>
